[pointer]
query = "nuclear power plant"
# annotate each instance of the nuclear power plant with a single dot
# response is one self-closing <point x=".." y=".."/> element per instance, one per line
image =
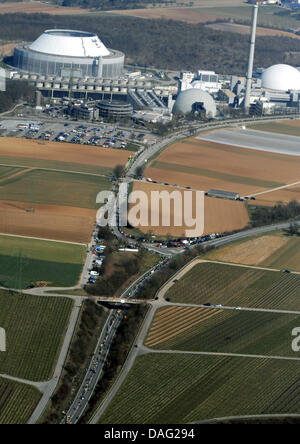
<point x="65" y="52"/>
<point x="64" y="63"/>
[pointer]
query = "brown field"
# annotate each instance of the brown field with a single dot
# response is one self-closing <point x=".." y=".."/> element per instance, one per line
<point x="184" y="14"/>
<point x="62" y="152"/>
<point x="219" y="215"/>
<point x="244" y="29"/>
<point x="188" y="15"/>
<point x="38" y="7"/>
<point x="251" y="252"/>
<point x="50" y="220"/>
<point x="170" y="322"/>
<point x="285" y="195"/>
<point x="47" y="221"/>
<point x="295" y="122"/>
<point x="204" y="165"/>
<point x="7" y="49"/>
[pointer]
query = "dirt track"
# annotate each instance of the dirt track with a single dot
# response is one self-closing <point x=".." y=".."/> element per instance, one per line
<point x="47" y="221"/>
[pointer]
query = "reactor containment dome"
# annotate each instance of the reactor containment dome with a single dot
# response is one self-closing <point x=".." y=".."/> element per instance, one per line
<point x="66" y="52"/>
<point x="195" y="100"/>
<point x="281" y="78"/>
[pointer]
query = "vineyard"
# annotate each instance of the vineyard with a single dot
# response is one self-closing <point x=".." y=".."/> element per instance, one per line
<point x="173" y="321"/>
<point x="17" y="402"/>
<point x="233" y="286"/>
<point x="288" y="256"/>
<point x="35" y="328"/>
<point x="179" y="388"/>
<point x="226" y="331"/>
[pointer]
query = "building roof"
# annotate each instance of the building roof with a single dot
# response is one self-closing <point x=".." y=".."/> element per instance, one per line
<point x="281" y="78"/>
<point x="186" y="99"/>
<point x="65" y="42"/>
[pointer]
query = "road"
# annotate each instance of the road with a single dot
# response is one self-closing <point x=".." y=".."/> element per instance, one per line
<point x="95" y="368"/>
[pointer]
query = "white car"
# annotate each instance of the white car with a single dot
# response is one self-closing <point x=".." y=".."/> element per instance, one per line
<point x="94" y="273"/>
<point x="218" y="305"/>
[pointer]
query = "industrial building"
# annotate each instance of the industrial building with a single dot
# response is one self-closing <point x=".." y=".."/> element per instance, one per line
<point x="197" y="101"/>
<point x="69" y="53"/>
<point x="114" y="109"/>
<point x="223" y="194"/>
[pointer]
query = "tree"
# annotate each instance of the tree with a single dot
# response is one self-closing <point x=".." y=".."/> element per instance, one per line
<point x="293" y="230"/>
<point x="118" y="171"/>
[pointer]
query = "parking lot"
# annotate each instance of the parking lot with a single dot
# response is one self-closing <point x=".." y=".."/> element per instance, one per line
<point x="97" y="134"/>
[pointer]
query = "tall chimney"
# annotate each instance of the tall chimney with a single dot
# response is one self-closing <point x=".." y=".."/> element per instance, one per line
<point x="251" y="58"/>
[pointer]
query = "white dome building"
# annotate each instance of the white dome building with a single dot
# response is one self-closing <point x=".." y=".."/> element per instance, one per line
<point x="63" y="52"/>
<point x="281" y="78"/>
<point x="195" y="99"/>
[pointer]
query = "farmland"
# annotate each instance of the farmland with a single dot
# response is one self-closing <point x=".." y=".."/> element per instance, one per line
<point x="17" y="402"/>
<point x="66" y="156"/>
<point x="180" y="388"/>
<point x="35" y="327"/>
<point x="274" y="251"/>
<point x="219" y="214"/>
<point x="225" y="331"/>
<point x="289" y="127"/>
<point x="36" y="7"/>
<point x="204" y="165"/>
<point x="24" y="261"/>
<point x="49" y="190"/>
<point x="236" y="285"/>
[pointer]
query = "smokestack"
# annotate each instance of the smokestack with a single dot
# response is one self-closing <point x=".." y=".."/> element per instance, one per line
<point x="251" y="58"/>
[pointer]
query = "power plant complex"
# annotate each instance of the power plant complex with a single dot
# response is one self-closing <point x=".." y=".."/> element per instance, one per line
<point x="77" y="65"/>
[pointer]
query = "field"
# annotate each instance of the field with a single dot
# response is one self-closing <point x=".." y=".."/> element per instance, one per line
<point x="225" y="331"/>
<point x="235" y="10"/>
<point x="219" y="215"/>
<point x="252" y="252"/>
<point x="62" y="156"/>
<point x="179" y="388"/>
<point x="273" y="251"/>
<point x="244" y="29"/>
<point x="35" y="327"/>
<point x="17" y="402"/>
<point x="24" y="261"/>
<point x="35" y="7"/>
<point x="49" y="190"/>
<point x="237" y="286"/>
<point x="289" y="127"/>
<point x="206" y="165"/>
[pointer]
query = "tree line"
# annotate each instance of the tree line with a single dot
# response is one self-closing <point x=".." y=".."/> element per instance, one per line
<point x="16" y="92"/>
<point x="278" y="213"/>
<point x="161" y="43"/>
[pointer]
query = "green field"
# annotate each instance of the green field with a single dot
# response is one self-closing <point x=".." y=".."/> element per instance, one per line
<point x="17" y="402"/>
<point x="233" y="286"/>
<point x="231" y="331"/>
<point x="23" y="261"/>
<point x="54" y="188"/>
<point x="27" y="162"/>
<point x="277" y="128"/>
<point x="35" y="327"/>
<point x="8" y="171"/>
<point x="173" y="389"/>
